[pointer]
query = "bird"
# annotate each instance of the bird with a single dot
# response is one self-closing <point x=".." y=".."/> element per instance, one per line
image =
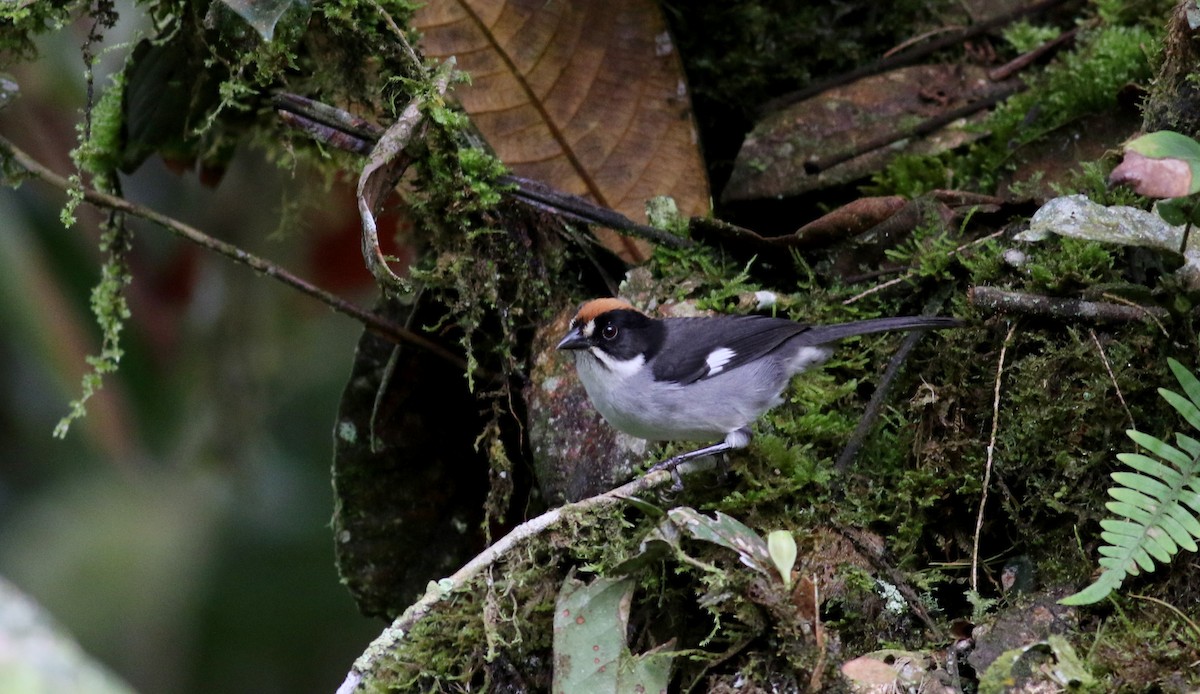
<point x="701" y="378"/>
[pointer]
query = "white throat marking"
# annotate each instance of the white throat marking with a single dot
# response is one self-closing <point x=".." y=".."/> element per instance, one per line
<point x="623" y="368"/>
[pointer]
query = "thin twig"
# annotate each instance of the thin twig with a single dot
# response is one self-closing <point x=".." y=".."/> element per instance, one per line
<point x="1112" y="377"/>
<point x="908" y="57"/>
<point x="1179" y="613"/>
<point x="991" y="450"/>
<point x="387" y="641"/>
<point x="399" y="34"/>
<point x="875" y="405"/>
<point x="1026" y="59"/>
<point x="879" y="287"/>
<point x="339" y="129"/>
<point x="874" y="555"/>
<point x="814" y="681"/>
<point x="1150" y="314"/>
<point x="997" y="300"/>
<point x="373" y="322"/>
<point x="994" y="95"/>
<point x="879" y="397"/>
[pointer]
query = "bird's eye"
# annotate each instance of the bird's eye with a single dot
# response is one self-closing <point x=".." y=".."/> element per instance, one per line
<point x="609" y="331"/>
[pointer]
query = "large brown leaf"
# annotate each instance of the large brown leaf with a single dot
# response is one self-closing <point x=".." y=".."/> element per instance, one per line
<point x="587" y="96"/>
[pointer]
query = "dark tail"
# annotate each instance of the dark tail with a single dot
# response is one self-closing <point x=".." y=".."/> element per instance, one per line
<point x="821" y="334"/>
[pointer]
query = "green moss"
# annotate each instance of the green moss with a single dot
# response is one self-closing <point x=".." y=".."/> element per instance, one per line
<point x="21" y="22"/>
<point x="1025" y="36"/>
<point x="1064" y="265"/>
<point x="911" y="175"/>
<point x="1084" y="80"/>
<point x="111" y="310"/>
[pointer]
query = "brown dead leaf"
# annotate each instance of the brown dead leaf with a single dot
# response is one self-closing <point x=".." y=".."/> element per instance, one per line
<point x="876" y="117"/>
<point x="587" y="96"/>
<point x="1154" y="178"/>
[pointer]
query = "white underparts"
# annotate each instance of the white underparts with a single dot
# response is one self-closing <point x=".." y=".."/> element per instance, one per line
<point x="621" y="367"/>
<point x="738" y="439"/>
<point x="717" y="359"/>
<point x="808" y="357"/>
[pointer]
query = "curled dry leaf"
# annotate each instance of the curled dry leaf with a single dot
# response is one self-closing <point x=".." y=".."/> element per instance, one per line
<point x="1154" y="178"/>
<point x="385" y="165"/>
<point x="587" y="96"/>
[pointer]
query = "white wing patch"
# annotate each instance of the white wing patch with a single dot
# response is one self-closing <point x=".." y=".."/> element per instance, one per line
<point x="717" y="359"/>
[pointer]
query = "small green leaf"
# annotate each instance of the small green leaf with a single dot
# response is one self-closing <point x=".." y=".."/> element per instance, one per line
<point x="782" y="548"/>
<point x="1191" y="498"/>
<point x="1121" y="527"/>
<point x="1165" y="144"/>
<point x="1187" y="380"/>
<point x="1141" y="555"/>
<point x="1149" y="465"/>
<point x="1177" y="532"/>
<point x="1182" y="405"/>
<point x="727" y="532"/>
<point x="1159" y="447"/>
<point x="1128" y="510"/>
<point x="1143" y="484"/>
<point x="1156" y="550"/>
<point x="1102" y="588"/>
<point x="1161" y="540"/>
<point x="1185" y="519"/>
<point x="1188" y="445"/>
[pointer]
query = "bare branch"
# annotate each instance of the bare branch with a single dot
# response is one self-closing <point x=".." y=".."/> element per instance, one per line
<point x="372" y="321"/>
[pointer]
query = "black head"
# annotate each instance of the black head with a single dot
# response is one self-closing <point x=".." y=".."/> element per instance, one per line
<point x="615" y="327"/>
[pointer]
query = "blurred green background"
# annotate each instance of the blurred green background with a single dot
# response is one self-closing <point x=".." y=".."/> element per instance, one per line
<point x="181" y="531"/>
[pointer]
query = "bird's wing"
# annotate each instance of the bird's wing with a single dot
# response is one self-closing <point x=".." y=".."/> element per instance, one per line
<point x="698" y="348"/>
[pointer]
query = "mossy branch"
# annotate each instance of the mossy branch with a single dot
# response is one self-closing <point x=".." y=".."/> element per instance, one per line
<point x="373" y="660"/>
<point x="370" y="320"/>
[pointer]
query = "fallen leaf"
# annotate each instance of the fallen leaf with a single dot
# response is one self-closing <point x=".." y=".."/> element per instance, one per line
<point x="1163" y="164"/>
<point x="1078" y="217"/>
<point x="727" y="532"/>
<point x="775" y="158"/>
<point x="590" y="649"/>
<point x="892" y="670"/>
<point x="587" y="96"/>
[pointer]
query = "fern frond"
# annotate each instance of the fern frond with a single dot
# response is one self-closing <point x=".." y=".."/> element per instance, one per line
<point x="1157" y="501"/>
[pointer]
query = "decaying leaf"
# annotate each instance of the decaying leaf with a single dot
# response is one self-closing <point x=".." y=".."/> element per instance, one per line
<point x="588" y="97"/>
<point x="385" y="164"/>
<point x="727" y="532"/>
<point x="893" y="670"/>
<point x="1154" y="178"/>
<point x="1164" y="164"/>
<point x="590" y="650"/>
<point x="1078" y="217"/>
<point x="1049" y="665"/>
<point x="775" y="160"/>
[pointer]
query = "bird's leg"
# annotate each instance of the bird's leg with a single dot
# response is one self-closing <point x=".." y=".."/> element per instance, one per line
<point x="738" y="438"/>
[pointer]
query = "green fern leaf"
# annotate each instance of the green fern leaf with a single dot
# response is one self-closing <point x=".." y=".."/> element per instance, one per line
<point x="1146" y="464"/>
<point x="1189" y="445"/>
<point x="1191" y="387"/>
<point x="1156" y="501"/>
